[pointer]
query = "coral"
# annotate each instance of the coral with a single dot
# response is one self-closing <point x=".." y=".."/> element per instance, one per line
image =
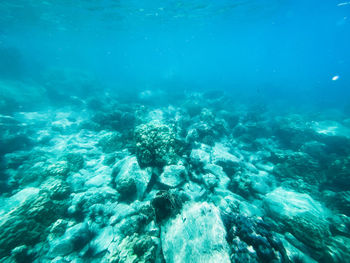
<point x="338" y="174"/>
<point x="298" y="170"/>
<point x="75" y="161"/>
<point x="127" y="189"/>
<point x="136" y="248"/>
<point x="110" y="142"/>
<point x="156" y="144"/>
<point x="27" y="223"/>
<point x="166" y="204"/>
<point x="251" y="238"/>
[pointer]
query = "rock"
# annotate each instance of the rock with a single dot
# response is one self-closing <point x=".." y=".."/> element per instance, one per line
<point x="102" y="178"/>
<point x="32" y="172"/>
<point x="173" y="175"/>
<point x="315" y="149"/>
<point x="338" y="174"/>
<point x="131" y="225"/>
<point x="199" y="158"/>
<point x="100" y="213"/>
<point x="241" y="183"/>
<point x="196" y="235"/>
<point x="261" y="182"/>
<point x="338" y="250"/>
<point x="222" y="179"/>
<point x="127" y="189"/>
<point x="75" y="238"/>
<point x="331" y="128"/>
<point x="300" y="214"/>
<point x="340" y="225"/>
<point x="108" y="119"/>
<point x="210" y="181"/>
<point x="193" y="108"/>
<point x="338" y="201"/>
<point x="122" y="210"/>
<point x="295" y="248"/>
<point x="127" y="174"/>
<point x="220" y="155"/>
<point x="250" y="185"/>
<point x="194" y="191"/>
<point x="58" y="228"/>
<point x="21" y="254"/>
<point x="156" y="144"/>
<point x="102" y="241"/>
<point x="82" y="202"/>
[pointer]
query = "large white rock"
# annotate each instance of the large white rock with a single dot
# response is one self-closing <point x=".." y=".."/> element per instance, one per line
<point x="304" y="217"/>
<point x="196" y="235"/>
<point x="128" y="168"/>
<point x="173" y="175"/>
<point x="284" y="204"/>
<point x="220" y="154"/>
<point x="199" y="157"/>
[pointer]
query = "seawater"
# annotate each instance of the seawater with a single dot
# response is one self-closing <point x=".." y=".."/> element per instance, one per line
<point x="174" y="131"/>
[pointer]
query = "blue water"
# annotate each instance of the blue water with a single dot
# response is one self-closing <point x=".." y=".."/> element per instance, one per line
<point x="273" y="48"/>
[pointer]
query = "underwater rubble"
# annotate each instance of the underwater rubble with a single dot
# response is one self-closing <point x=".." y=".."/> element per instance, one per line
<point x="202" y="179"/>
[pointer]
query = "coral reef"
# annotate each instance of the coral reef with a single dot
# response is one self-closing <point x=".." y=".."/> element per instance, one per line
<point x="203" y="179"/>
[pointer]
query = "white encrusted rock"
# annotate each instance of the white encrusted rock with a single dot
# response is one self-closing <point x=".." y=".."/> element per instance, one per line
<point x="173" y="175"/>
<point x="102" y="241"/>
<point x="196" y="235"/>
<point x="128" y="170"/>
<point x="304" y="217"/>
<point x="199" y="158"/>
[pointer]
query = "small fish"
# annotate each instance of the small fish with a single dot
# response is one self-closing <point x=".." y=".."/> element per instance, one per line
<point x="344" y="3"/>
<point x="335" y="78"/>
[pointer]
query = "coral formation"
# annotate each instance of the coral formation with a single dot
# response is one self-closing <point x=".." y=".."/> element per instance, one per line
<point x="156" y="144"/>
<point x="201" y="180"/>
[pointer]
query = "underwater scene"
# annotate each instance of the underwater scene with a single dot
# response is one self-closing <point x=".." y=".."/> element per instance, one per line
<point x="174" y="131"/>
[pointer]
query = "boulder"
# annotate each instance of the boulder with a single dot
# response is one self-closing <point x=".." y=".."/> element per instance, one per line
<point x="304" y="217"/>
<point x="195" y="235"/>
<point x="199" y="158"/>
<point x="220" y="155"/>
<point x="102" y="240"/>
<point x="129" y="179"/>
<point x="173" y="175"/>
<point x="75" y="238"/>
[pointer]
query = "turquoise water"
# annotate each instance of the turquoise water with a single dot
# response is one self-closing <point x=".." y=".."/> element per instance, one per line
<point x="174" y="131"/>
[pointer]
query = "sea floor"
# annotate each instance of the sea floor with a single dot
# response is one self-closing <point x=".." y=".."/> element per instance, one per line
<point x="196" y="177"/>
